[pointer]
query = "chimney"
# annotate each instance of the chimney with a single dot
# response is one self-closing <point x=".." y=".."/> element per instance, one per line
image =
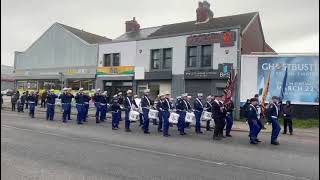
<point x="132" y="25"/>
<point x="203" y="12"/>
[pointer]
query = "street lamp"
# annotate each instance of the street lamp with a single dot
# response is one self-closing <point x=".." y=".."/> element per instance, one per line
<point x="61" y="79"/>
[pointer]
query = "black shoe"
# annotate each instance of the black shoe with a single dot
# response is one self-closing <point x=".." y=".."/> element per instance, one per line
<point x="80" y="123"/>
<point x="275" y="143"/>
<point x="253" y="142"/>
<point x="291" y="134"/>
<point x="199" y="132"/>
<point x="146" y="132"/>
<point x="159" y="130"/>
<point x="114" y="128"/>
<point x="284" y="133"/>
<point x="257" y="140"/>
<point x="222" y="136"/>
<point x="69" y="119"/>
<point x="264" y="127"/>
<point x="166" y="135"/>
<point x="97" y="121"/>
<point x="216" y="138"/>
<point x="128" y="130"/>
<point x="209" y="129"/>
<point x="64" y="121"/>
<point x="228" y="135"/>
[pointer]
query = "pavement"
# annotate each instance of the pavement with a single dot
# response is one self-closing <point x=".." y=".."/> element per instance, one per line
<point x="40" y="149"/>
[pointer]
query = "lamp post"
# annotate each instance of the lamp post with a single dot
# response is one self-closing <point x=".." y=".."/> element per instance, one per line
<point x="61" y="80"/>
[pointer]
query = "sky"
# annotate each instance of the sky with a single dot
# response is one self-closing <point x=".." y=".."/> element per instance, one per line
<point x="289" y="26"/>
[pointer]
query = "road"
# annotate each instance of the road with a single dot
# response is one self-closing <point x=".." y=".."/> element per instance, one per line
<point x="40" y="149"/>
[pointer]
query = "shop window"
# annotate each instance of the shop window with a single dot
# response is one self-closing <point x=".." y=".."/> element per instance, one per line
<point x="155" y="59"/>
<point x="167" y="58"/>
<point x="107" y="60"/>
<point x="192" y="56"/>
<point x="206" y="56"/>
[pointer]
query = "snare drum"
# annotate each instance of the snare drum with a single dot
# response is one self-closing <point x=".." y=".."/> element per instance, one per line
<point x="153" y="114"/>
<point x="174" y="118"/>
<point x="190" y="117"/>
<point x="133" y="116"/>
<point x="206" y="116"/>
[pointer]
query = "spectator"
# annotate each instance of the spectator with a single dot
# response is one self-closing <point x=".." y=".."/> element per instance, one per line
<point x="287" y="117"/>
<point x="14" y="99"/>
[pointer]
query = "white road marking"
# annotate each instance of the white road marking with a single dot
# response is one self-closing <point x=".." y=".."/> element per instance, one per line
<point x="158" y="152"/>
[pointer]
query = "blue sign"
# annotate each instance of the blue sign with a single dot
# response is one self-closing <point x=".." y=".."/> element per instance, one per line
<point x="302" y="84"/>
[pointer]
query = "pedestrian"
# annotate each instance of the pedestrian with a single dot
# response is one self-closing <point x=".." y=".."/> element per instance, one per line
<point x="209" y="109"/>
<point x="128" y="103"/>
<point x="103" y="99"/>
<point x="287" y="117"/>
<point x="23" y="100"/>
<point x="165" y="111"/>
<point x="229" y="117"/>
<point x="37" y="98"/>
<point x="198" y="109"/>
<point x="86" y="105"/>
<point x="43" y="99"/>
<point x="146" y="104"/>
<point x="273" y="113"/>
<point x="158" y="107"/>
<point x="1" y="100"/>
<point x="120" y="101"/>
<point x="51" y="101"/>
<point x="14" y="99"/>
<point x="115" y="109"/>
<point x="80" y="106"/>
<point x="66" y="99"/>
<point x="252" y="121"/>
<point x="27" y="103"/>
<point x="182" y="108"/>
<point x="31" y="99"/>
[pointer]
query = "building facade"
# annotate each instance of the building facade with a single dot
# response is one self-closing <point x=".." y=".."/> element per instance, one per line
<point x="62" y="56"/>
<point x="7" y="77"/>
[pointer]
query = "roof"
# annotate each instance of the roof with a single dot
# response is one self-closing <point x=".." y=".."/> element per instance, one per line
<point x="141" y="34"/>
<point x="241" y="20"/>
<point x="86" y="36"/>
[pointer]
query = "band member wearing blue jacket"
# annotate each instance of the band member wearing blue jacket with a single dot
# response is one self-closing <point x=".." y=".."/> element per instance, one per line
<point x="158" y="107"/>
<point x="198" y="109"/>
<point x="146" y="104"/>
<point x="115" y="109"/>
<point x="182" y="108"/>
<point x="31" y="99"/>
<point x="87" y="99"/>
<point x="103" y="106"/>
<point x="66" y="99"/>
<point x="273" y="113"/>
<point x="165" y="110"/>
<point x="51" y="100"/>
<point x="252" y="115"/>
<point x="209" y="109"/>
<point x="80" y="106"/>
<point x="128" y="103"/>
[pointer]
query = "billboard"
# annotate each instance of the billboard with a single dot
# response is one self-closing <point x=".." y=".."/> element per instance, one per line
<point x="115" y="70"/>
<point x="302" y="85"/>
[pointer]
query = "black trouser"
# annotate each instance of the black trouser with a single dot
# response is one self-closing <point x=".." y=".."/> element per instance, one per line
<point x="43" y="103"/>
<point x="222" y="125"/>
<point x="287" y="122"/>
<point x="36" y="102"/>
<point x="208" y="126"/>
<point x="27" y="105"/>
<point x="217" y="127"/>
<point x="13" y="106"/>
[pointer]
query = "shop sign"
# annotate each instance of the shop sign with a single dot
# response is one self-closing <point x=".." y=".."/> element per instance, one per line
<point x="115" y="70"/>
<point x="225" y="39"/>
<point x="206" y="74"/>
<point x="73" y="71"/>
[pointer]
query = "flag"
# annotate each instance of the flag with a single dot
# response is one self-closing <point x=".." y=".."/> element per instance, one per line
<point x="229" y="89"/>
<point x="283" y="87"/>
<point x="265" y="94"/>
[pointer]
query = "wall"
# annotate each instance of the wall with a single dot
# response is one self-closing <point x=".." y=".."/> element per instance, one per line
<point x="178" y="45"/>
<point x="252" y="39"/>
<point x="127" y="52"/>
<point x="249" y="72"/>
<point x="57" y="48"/>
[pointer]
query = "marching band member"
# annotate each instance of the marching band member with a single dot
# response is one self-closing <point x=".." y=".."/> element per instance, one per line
<point x="115" y="109"/>
<point x="80" y="106"/>
<point x="86" y="105"/>
<point x="128" y="102"/>
<point x="51" y="100"/>
<point x="120" y="101"/>
<point x="189" y="109"/>
<point x="198" y="109"/>
<point x="252" y="121"/>
<point x="140" y="112"/>
<point x="182" y="108"/>
<point x="273" y="113"/>
<point x="165" y="108"/>
<point x="96" y="99"/>
<point x="209" y="109"/>
<point x="158" y="107"/>
<point x="146" y="105"/>
<point x="31" y="99"/>
<point x="224" y="114"/>
<point x="103" y="106"/>
<point x="217" y="117"/>
<point x="229" y="117"/>
<point x="66" y="99"/>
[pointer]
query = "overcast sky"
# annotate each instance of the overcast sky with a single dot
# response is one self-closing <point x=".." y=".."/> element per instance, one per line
<point x="288" y="25"/>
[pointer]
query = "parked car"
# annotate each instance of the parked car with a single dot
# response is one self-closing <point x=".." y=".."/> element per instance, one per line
<point x="8" y="92"/>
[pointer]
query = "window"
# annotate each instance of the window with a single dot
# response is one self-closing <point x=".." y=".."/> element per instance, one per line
<point x="107" y="60"/>
<point x="167" y="58"/>
<point x="192" y="57"/>
<point x="206" y="54"/>
<point x="155" y="59"/>
<point x="111" y="59"/>
<point x="116" y="59"/>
